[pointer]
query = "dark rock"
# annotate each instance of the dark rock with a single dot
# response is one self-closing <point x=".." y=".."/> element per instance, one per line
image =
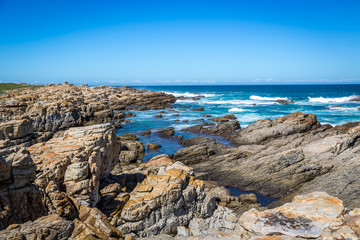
<point x="224" y="118"/>
<point x="198" y="109"/>
<point x="152" y="146"/>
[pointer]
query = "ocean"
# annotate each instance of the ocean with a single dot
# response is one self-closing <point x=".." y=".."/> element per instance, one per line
<point x="330" y="103"/>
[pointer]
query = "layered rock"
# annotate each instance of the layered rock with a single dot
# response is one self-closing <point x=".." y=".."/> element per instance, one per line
<point x="131" y="148"/>
<point x="284" y="157"/>
<point x="312" y="216"/>
<point x="48" y="227"/>
<point x="57" y="107"/>
<point x="74" y="164"/>
<point x="20" y="199"/>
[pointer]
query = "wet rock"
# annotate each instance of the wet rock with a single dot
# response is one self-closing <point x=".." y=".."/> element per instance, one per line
<point x="153" y="146"/>
<point x="130" y="114"/>
<point x="145" y="133"/>
<point x="198" y="109"/>
<point x="205" y="115"/>
<point x="284" y="102"/>
<point x="224" y="129"/>
<point x="166" y="133"/>
<point x="223" y="118"/>
<point x="159" y="116"/>
<point x="197" y="128"/>
<point x="196" y="141"/>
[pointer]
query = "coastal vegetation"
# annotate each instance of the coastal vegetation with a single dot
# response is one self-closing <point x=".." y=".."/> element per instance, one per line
<point x="11" y="86"/>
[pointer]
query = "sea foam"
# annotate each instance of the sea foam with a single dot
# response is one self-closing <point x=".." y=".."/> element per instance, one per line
<point x="254" y="97"/>
<point x="236" y="110"/>
<point x="332" y="100"/>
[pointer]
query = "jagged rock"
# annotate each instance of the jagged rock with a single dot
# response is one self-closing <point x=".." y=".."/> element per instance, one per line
<point x="51" y="227"/>
<point x="196" y="141"/>
<point x="132" y="148"/>
<point x="225" y="118"/>
<point x="263" y="130"/>
<point x="57" y="107"/>
<point x="93" y="224"/>
<point x="166" y="133"/>
<point x="161" y="203"/>
<point x="223" y="220"/>
<point x="75" y="162"/>
<point x="20" y="200"/>
<point x="128" y="156"/>
<point x="197" y="128"/>
<point x="224" y="129"/>
<point x="284" y="157"/>
<point x="316" y="215"/>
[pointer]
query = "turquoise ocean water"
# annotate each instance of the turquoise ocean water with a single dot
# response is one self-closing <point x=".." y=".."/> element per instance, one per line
<point x="248" y="104"/>
<point x="330" y="103"/>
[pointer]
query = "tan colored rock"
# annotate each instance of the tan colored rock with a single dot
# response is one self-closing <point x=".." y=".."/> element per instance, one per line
<point x="93" y="224"/>
<point x="316" y="215"/>
<point x="78" y="160"/>
<point x="161" y="160"/>
<point x="161" y="203"/>
<point x="58" y="107"/>
<point x="20" y="199"/>
<point x="51" y="227"/>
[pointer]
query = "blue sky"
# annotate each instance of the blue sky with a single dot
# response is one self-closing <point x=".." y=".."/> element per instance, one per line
<point x="180" y="42"/>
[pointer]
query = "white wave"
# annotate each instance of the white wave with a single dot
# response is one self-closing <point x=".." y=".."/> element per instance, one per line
<point x="344" y="108"/>
<point x="209" y="95"/>
<point x="237" y="102"/>
<point x="331" y="100"/>
<point x="254" y="97"/>
<point x="189" y="94"/>
<point x="236" y="110"/>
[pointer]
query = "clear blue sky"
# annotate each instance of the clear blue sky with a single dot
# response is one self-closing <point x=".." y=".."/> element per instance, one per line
<point x="118" y="42"/>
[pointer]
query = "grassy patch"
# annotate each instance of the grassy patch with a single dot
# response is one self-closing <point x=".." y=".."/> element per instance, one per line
<point x="10" y="86"/>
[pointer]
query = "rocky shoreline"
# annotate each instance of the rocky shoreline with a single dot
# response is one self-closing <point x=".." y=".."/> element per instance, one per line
<point x="64" y="174"/>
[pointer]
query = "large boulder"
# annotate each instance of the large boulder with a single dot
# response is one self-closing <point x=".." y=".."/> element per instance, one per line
<point x="76" y="163"/>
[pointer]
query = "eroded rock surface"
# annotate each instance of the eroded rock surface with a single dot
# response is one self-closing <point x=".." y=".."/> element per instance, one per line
<point x="57" y="107"/>
<point x="75" y="164"/>
<point x="284" y="157"/>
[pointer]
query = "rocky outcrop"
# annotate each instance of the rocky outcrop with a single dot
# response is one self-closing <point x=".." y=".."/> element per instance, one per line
<point x="284" y="157"/>
<point x="223" y="118"/>
<point x="20" y="199"/>
<point x="48" y="227"/>
<point x="267" y="129"/>
<point x="131" y="148"/>
<point x="75" y="164"/>
<point x="58" y="107"/>
<point x="313" y="216"/>
<point x="162" y="202"/>
<point x="225" y="129"/>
